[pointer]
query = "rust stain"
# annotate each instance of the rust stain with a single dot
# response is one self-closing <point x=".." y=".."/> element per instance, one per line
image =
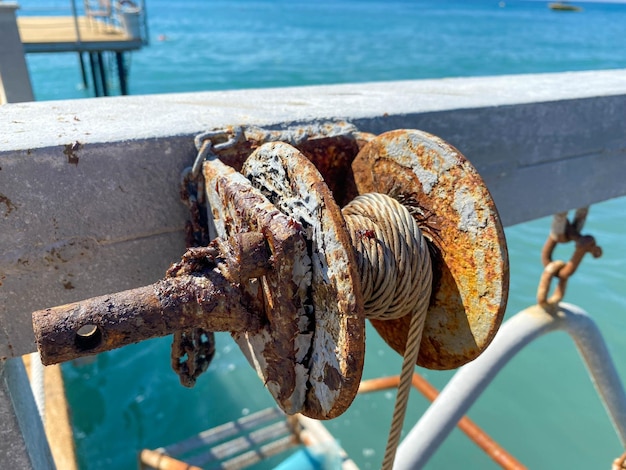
<point x="10" y="206"/>
<point x="70" y="150"/>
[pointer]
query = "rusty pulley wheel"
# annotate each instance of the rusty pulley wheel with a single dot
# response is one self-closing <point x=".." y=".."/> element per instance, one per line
<point x="309" y="350"/>
<point x="459" y="218"/>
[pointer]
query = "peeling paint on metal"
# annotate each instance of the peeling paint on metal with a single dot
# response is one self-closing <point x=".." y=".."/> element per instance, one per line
<point x="335" y="355"/>
<point x="465" y="205"/>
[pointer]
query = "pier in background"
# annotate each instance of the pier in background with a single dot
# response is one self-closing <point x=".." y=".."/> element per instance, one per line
<point x="100" y="27"/>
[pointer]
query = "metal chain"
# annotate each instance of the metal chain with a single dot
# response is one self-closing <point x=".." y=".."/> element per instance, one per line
<point x="206" y="148"/>
<point x="564" y="231"/>
<point x="193" y="350"/>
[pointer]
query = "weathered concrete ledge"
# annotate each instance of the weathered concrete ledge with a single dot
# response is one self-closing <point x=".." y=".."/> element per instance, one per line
<point x="89" y="188"/>
<point x="115" y="119"/>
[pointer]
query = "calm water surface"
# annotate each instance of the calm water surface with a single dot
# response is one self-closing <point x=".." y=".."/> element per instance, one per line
<point x="542" y="408"/>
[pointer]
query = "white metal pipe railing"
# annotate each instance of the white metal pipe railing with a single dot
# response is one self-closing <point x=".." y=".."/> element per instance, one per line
<point x="23" y="443"/>
<point x="472" y="379"/>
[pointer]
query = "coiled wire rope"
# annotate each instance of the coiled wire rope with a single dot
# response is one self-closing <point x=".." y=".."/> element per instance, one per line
<point x="396" y="277"/>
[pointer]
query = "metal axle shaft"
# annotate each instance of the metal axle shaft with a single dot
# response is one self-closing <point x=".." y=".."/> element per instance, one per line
<point x="201" y="291"/>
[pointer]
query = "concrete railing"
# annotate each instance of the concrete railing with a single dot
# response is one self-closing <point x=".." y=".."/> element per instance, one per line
<point x="15" y="84"/>
<point x="89" y="188"/>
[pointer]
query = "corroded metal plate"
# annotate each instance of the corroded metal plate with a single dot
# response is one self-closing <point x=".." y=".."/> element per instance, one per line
<point x="272" y="349"/>
<point x="336" y="325"/>
<point x="457" y="215"/>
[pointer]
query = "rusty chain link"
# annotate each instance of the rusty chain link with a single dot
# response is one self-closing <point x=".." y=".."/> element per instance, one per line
<point x="564" y="231"/>
<point x="193" y="350"/>
<point x="192" y="184"/>
<point x="206" y="148"/>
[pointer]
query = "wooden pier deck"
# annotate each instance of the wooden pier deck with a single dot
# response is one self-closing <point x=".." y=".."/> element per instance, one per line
<point x="82" y="34"/>
<point x="59" y="34"/>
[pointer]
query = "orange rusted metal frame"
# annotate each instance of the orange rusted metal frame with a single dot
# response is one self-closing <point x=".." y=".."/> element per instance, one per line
<point x="471" y="429"/>
<point x="157" y="460"/>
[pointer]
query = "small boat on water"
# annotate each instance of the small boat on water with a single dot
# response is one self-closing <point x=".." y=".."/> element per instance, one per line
<point x="562" y="6"/>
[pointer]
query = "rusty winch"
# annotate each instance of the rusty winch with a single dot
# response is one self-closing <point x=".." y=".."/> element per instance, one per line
<point x="293" y="277"/>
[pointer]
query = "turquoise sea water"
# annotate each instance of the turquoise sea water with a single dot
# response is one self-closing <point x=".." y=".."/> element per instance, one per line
<point x="542" y="408"/>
